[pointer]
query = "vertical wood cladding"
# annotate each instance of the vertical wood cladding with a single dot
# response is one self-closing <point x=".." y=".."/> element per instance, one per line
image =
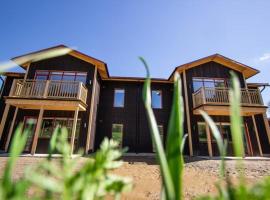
<point x="136" y="135"/>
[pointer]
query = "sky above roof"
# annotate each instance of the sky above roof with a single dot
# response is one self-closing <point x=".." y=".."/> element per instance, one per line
<point x="165" y="33"/>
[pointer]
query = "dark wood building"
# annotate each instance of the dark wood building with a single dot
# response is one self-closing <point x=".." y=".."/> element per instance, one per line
<point x="76" y="91"/>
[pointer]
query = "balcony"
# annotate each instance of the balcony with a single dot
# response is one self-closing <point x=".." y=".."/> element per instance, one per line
<point x="60" y="93"/>
<point x="217" y="100"/>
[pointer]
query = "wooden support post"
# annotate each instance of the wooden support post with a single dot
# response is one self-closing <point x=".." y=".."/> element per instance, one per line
<point x="4" y="119"/>
<point x="257" y="135"/>
<point x="11" y="129"/>
<point x="74" y="129"/>
<point x="209" y="144"/>
<point x="267" y="127"/>
<point x="187" y="114"/>
<point x="38" y="126"/>
<point x="91" y="112"/>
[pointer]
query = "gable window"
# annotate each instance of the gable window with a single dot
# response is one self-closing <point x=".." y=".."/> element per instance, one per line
<point x="117" y="134"/>
<point x="156" y="99"/>
<point x="119" y="98"/>
<point x="61" y="76"/>
<point x="209" y="83"/>
<point x="161" y="133"/>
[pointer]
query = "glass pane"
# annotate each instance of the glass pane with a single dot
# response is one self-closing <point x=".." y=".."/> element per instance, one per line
<point x="117" y="134"/>
<point x="197" y="84"/>
<point x="226" y="132"/>
<point x="69" y="78"/>
<point x="119" y="96"/>
<point x="47" y="128"/>
<point x="220" y="83"/>
<point x="156" y="99"/>
<point x="202" y="132"/>
<point x="209" y="83"/>
<point x="81" y="79"/>
<point x="56" y="76"/>
<point x="41" y="77"/>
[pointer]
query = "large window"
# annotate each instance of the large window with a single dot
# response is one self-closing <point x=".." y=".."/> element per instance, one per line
<point x="117" y="134"/>
<point x="119" y="98"/>
<point x="49" y="125"/>
<point x="209" y="82"/>
<point x="61" y="76"/>
<point x="161" y="133"/>
<point x="202" y="132"/>
<point x="156" y="99"/>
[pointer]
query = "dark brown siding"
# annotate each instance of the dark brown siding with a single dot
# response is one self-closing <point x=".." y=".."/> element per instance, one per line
<point x="136" y="132"/>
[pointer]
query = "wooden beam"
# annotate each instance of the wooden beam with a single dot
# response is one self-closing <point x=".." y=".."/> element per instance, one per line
<point x="91" y="112"/>
<point x="267" y="127"/>
<point x="257" y="135"/>
<point x="37" y="130"/>
<point x="11" y="129"/>
<point x="187" y="114"/>
<point x="74" y="129"/>
<point x="4" y="119"/>
<point x="209" y="144"/>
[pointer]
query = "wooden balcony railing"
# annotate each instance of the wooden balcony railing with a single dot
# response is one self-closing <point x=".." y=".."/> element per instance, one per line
<point x="249" y="97"/>
<point x="49" y="89"/>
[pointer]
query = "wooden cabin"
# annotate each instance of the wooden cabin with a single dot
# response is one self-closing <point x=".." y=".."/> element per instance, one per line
<point x="76" y="91"/>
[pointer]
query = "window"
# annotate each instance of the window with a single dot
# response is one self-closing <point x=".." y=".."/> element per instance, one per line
<point x="209" y="82"/>
<point x="161" y="133"/>
<point x="202" y="132"/>
<point x="117" y="134"/>
<point x="49" y="125"/>
<point x="61" y="75"/>
<point x="156" y="99"/>
<point x="119" y="98"/>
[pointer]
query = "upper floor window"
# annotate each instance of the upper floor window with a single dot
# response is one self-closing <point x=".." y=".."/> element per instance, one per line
<point x="61" y="75"/>
<point x="209" y="82"/>
<point x="156" y="99"/>
<point x="119" y="98"/>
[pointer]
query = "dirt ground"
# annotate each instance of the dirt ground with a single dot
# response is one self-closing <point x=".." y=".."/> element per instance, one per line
<point x="200" y="175"/>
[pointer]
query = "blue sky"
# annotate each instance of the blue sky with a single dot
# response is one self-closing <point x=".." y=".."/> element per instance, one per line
<point x="165" y="33"/>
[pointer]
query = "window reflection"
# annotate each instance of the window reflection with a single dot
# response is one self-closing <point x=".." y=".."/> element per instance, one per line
<point x="119" y="97"/>
<point x="156" y="99"/>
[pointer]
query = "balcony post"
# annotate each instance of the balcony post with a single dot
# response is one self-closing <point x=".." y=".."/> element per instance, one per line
<point x="267" y="126"/>
<point x="257" y="135"/>
<point x="46" y="89"/>
<point x="37" y="130"/>
<point x="74" y="125"/>
<point x="209" y="144"/>
<point x="203" y="95"/>
<point x="79" y="90"/>
<point x="4" y="119"/>
<point x="260" y="96"/>
<point x="13" y="88"/>
<point x="11" y="129"/>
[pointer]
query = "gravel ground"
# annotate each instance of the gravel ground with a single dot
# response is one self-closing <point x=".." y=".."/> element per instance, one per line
<point x="200" y="175"/>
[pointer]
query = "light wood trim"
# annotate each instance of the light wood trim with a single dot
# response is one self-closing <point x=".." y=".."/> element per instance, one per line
<point x="257" y="135"/>
<point x="74" y="130"/>
<point x="209" y="144"/>
<point x="27" y="70"/>
<point x="11" y="129"/>
<point x="37" y="130"/>
<point x="187" y="113"/>
<point x="4" y="119"/>
<point x="267" y="127"/>
<point x="91" y="112"/>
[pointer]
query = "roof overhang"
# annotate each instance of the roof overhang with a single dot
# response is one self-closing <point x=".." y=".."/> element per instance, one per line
<point x="246" y="70"/>
<point x="60" y="50"/>
<point x="258" y="84"/>
<point x="12" y="74"/>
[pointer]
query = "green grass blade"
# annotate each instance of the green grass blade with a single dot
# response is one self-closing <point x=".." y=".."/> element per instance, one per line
<point x="217" y="136"/>
<point x="174" y="139"/>
<point x="164" y="168"/>
<point x="235" y="116"/>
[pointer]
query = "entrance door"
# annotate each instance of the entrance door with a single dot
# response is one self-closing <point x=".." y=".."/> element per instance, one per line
<point x="29" y="123"/>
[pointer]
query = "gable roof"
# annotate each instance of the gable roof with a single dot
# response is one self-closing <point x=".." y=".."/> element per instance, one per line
<point x="59" y="50"/>
<point x="246" y="70"/>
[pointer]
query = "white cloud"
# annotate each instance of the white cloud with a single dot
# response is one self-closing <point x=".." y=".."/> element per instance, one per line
<point x="265" y="57"/>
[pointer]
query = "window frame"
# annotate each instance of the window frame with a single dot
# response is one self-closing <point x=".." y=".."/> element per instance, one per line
<point x="161" y="101"/>
<point x="122" y="133"/>
<point x="202" y="79"/>
<point x="114" y="97"/>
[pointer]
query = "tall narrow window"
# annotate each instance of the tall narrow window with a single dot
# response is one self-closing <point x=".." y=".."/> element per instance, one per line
<point x="119" y="98"/>
<point x="156" y="99"/>
<point x="117" y="134"/>
<point x="161" y="133"/>
<point x="202" y="132"/>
